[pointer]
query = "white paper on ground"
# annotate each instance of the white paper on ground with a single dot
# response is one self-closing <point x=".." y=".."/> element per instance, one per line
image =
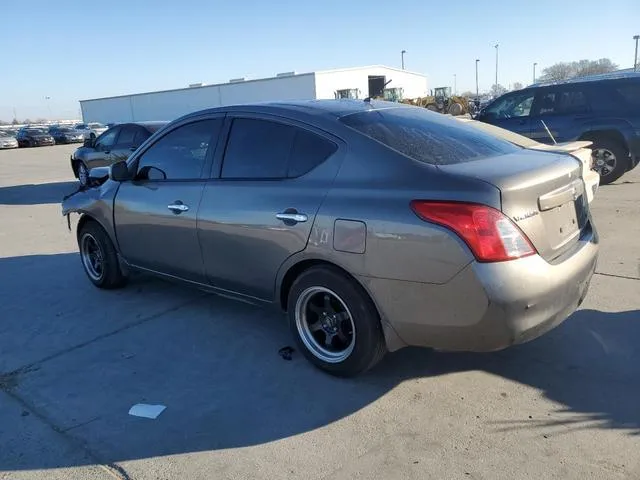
<point x="146" y="411"/>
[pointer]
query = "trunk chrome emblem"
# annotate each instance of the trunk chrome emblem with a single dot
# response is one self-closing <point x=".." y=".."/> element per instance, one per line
<point x="526" y="215"/>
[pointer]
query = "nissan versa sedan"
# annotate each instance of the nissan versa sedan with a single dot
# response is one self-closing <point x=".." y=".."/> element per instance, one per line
<point x="373" y="225"/>
<point x="114" y="145"/>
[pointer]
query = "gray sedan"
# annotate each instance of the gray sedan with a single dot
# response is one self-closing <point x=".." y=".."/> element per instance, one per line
<point x="373" y="225"/>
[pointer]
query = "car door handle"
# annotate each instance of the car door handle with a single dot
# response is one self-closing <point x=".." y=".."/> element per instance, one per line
<point x="178" y="207"/>
<point x="292" y="217"/>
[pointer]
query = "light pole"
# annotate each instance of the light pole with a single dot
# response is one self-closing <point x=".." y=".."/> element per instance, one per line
<point x="455" y="84"/>
<point x="496" y="46"/>
<point x="534" y="71"/>
<point x="48" y="106"/>
<point x="635" y="58"/>
<point x="402" y="57"/>
<point x="477" y="91"/>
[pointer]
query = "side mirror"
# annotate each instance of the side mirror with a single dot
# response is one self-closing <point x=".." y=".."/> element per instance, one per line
<point x="151" y="173"/>
<point x="89" y="142"/>
<point x="98" y="174"/>
<point x="119" y="172"/>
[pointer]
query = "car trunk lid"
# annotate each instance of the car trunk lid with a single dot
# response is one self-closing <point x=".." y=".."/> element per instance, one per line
<point x="542" y="192"/>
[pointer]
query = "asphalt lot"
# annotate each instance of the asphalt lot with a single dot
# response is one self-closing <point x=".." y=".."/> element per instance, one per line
<point x="74" y="359"/>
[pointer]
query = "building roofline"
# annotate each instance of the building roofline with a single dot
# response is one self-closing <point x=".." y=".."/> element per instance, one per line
<point x="250" y="81"/>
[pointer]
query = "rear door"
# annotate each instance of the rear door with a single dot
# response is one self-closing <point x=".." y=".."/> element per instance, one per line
<point x="259" y="208"/>
<point x="563" y="109"/>
<point x="511" y="111"/>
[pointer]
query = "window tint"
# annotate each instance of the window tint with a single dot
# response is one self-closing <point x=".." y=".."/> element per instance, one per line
<point x="309" y="151"/>
<point x="181" y="153"/>
<point x="126" y="135"/>
<point x="510" y="106"/>
<point x="426" y="136"/>
<point x="562" y="102"/>
<point x="140" y="137"/>
<point x="107" y="139"/>
<point x="257" y="149"/>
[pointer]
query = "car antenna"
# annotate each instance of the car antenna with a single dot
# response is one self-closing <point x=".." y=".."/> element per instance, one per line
<point x="548" y="132"/>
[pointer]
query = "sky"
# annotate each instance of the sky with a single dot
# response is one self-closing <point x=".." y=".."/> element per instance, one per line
<point x="57" y="52"/>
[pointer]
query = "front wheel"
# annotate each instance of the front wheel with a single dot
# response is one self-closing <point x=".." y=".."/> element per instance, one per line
<point x="83" y="174"/>
<point x="334" y="322"/>
<point x="99" y="257"/>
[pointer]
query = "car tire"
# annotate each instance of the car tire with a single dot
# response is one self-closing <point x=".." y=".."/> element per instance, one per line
<point x="614" y="157"/>
<point x="83" y="174"/>
<point x="334" y="322"/>
<point x="99" y="257"/>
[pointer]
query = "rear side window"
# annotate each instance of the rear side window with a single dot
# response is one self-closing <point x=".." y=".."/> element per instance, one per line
<point x="126" y="135"/>
<point x="141" y="136"/>
<point x="427" y="136"/>
<point x="309" y="150"/>
<point x="262" y="149"/>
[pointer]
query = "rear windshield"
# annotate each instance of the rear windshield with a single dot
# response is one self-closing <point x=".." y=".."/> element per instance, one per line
<point x="426" y="136"/>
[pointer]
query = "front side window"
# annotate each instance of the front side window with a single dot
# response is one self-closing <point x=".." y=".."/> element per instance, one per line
<point x="107" y="139"/>
<point x="127" y="134"/>
<point x="180" y="154"/>
<point x="427" y="136"/>
<point x="511" y="106"/>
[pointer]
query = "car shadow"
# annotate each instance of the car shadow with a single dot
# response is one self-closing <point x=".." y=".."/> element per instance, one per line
<point x="215" y="365"/>
<point x="36" y="194"/>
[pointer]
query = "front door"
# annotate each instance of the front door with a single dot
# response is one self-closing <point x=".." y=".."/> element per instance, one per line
<point x="155" y="214"/>
<point x="511" y="112"/>
<point x="260" y="211"/>
<point x="100" y="154"/>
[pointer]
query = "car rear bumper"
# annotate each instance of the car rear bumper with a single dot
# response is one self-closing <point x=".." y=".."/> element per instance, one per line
<point x="487" y="306"/>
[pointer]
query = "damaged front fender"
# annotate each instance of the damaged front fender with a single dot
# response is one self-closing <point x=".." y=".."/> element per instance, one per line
<point x="96" y="202"/>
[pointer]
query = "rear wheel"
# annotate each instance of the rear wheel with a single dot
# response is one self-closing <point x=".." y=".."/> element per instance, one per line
<point x="610" y="160"/>
<point x="334" y="322"/>
<point x="99" y="257"/>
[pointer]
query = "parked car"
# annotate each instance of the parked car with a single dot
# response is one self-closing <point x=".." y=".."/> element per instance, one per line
<point x="374" y="225"/>
<point x="579" y="150"/>
<point x="63" y="135"/>
<point x="34" y="137"/>
<point x="7" y="140"/>
<point x="603" y="109"/>
<point x="91" y="130"/>
<point x="114" y="145"/>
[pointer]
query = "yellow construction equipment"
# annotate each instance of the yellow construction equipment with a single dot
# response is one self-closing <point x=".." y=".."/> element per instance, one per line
<point x="442" y="101"/>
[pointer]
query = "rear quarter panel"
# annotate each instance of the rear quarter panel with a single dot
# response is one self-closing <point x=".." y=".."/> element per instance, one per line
<point x="376" y="187"/>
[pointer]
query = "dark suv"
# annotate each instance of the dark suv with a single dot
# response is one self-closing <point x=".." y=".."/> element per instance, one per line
<point x="604" y="109"/>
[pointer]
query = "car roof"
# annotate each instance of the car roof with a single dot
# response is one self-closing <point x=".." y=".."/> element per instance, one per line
<point x="329" y="109"/>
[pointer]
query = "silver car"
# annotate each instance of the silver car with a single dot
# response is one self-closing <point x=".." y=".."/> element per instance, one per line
<point x="374" y="225"/>
<point x="7" y="140"/>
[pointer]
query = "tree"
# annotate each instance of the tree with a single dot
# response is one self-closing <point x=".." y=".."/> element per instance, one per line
<point x="15" y="122"/>
<point x="566" y="70"/>
<point x="497" y="90"/>
<point x="517" y="86"/>
<point x="468" y="94"/>
<point x="27" y="121"/>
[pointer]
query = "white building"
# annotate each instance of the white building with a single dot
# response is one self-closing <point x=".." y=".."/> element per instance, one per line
<point x="359" y="82"/>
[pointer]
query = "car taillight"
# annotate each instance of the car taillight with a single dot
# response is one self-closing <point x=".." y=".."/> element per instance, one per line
<point x="491" y="236"/>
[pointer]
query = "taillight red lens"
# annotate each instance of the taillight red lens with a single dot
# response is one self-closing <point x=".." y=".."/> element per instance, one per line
<point x="491" y="236"/>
